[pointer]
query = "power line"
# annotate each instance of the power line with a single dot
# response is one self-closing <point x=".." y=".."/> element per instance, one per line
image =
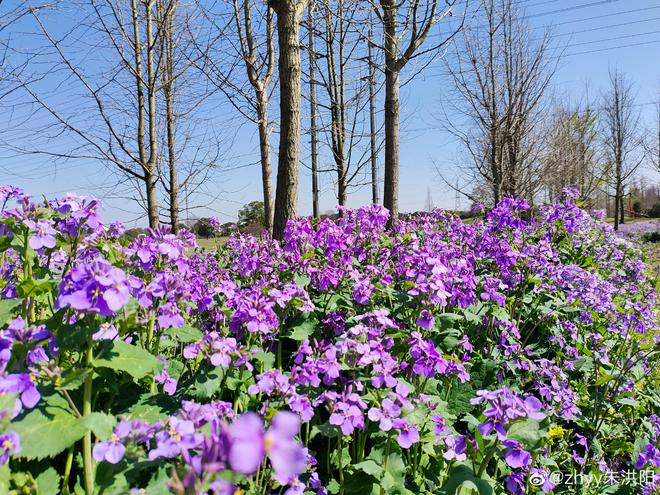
<point x="593" y="18"/>
<point x="568" y="9"/>
<point x="615" y="38"/>
<point x="609" y="26"/>
<point x="610" y="48"/>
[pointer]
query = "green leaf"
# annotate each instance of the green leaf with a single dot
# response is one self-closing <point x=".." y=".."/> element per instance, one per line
<point x="528" y="432"/>
<point x="153" y="408"/>
<point x="33" y="288"/>
<point x="301" y="280"/>
<point x="333" y="487"/>
<point x="302" y="327"/>
<point x="74" y="337"/>
<point x="129" y="358"/>
<point x="267" y="359"/>
<point x="6" y="310"/>
<point x="604" y="379"/>
<point x="72" y="379"/>
<point x="101" y="424"/>
<point x="462" y="477"/>
<point x="48" y="429"/>
<point x="185" y="334"/>
<point x="207" y="383"/>
<point x="360" y="483"/>
<point x="48" y="482"/>
<point x="370" y="467"/>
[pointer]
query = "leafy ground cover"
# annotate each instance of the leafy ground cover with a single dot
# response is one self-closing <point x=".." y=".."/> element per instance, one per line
<point x="438" y="357"/>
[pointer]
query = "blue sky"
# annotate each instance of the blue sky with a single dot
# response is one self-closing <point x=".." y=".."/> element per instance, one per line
<point x="593" y="33"/>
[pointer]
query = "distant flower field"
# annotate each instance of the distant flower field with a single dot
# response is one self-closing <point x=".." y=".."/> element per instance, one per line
<point x="517" y="354"/>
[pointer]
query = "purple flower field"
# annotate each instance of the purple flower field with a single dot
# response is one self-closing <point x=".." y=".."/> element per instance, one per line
<point x="505" y="356"/>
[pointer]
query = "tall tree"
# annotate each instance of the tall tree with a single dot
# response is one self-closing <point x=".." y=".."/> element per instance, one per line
<point x="260" y="68"/>
<point x="128" y="89"/>
<point x="406" y="25"/>
<point x="373" y="156"/>
<point x="500" y="73"/>
<point x="621" y="138"/>
<point x="289" y="14"/>
<point x="313" y="134"/>
<point x="571" y="156"/>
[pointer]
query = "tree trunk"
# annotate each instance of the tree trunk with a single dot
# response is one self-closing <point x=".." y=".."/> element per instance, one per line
<point x="152" y="163"/>
<point x="617" y="205"/>
<point x="372" y="126"/>
<point x="622" y="211"/>
<point x="391" y="187"/>
<point x="167" y="47"/>
<point x="288" y="34"/>
<point x="264" y="149"/>
<point x="312" y="117"/>
<point x="171" y="158"/>
<point x="152" y="199"/>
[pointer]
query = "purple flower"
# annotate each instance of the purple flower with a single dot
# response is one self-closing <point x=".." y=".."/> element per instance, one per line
<point x="43" y="234"/>
<point x="106" y="331"/>
<point x="455" y="447"/>
<point x="389" y="411"/>
<point x="425" y="320"/>
<point x="113" y="450"/>
<point x="170" y="316"/>
<point x="97" y="287"/>
<point x="9" y="442"/>
<point x="178" y="437"/>
<point x="543" y="476"/>
<point x="408" y="434"/>
<point x="516" y="457"/>
<point x="22" y="384"/>
<point x="247" y="444"/>
<point x="348" y="417"/>
<point x="286" y="454"/>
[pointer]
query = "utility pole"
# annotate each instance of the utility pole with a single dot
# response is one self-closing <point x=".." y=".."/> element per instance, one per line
<point x="312" y="112"/>
<point x="372" y="121"/>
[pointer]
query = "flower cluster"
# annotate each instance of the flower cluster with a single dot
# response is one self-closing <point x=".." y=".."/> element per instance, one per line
<point x="426" y="357"/>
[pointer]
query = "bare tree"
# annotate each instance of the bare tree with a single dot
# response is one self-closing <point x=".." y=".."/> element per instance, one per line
<point x="406" y="25"/>
<point x="652" y="143"/>
<point x="342" y="76"/>
<point x="115" y="120"/>
<point x="621" y="139"/>
<point x="501" y="73"/>
<point x="571" y="156"/>
<point x="259" y="59"/>
<point x="289" y="14"/>
<point x="135" y="95"/>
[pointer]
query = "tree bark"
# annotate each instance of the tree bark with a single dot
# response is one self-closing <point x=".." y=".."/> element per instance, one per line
<point x="171" y="158"/>
<point x="391" y="187"/>
<point x="264" y="149"/>
<point x="372" y="124"/>
<point x="312" y="117"/>
<point x="152" y="199"/>
<point x="152" y="163"/>
<point x="288" y="29"/>
<point x="167" y="42"/>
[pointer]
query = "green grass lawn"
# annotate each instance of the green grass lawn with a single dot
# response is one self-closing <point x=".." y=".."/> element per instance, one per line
<point x="210" y="244"/>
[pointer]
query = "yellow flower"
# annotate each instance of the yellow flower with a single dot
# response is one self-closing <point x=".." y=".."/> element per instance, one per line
<point x="556" y="432"/>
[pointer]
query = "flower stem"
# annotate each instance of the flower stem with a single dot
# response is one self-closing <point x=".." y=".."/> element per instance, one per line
<point x="88" y="461"/>
<point x="341" y="465"/>
<point x="484" y="463"/>
<point x="386" y="457"/>
<point x="67" y="471"/>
